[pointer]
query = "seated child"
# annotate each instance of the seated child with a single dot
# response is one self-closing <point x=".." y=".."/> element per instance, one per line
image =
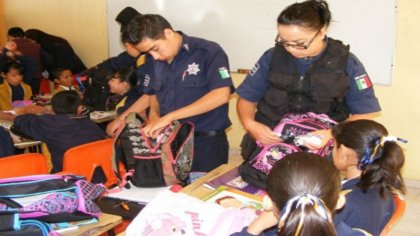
<point x="372" y="161"/>
<point x="63" y="78"/>
<point x="7" y="147"/>
<point x="124" y="83"/>
<point x="13" y="90"/>
<point x="64" y="130"/>
<point x="302" y="192"/>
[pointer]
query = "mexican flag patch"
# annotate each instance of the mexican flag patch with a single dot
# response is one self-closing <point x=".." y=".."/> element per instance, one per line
<point x="363" y="82"/>
<point x="224" y="73"/>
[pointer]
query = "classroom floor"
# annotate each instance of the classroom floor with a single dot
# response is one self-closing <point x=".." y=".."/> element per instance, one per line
<point x="408" y="224"/>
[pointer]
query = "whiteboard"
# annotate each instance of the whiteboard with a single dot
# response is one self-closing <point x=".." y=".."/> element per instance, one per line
<point x="247" y="28"/>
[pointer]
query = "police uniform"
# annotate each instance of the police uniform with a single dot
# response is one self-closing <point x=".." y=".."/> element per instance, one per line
<point x="199" y="67"/>
<point x="333" y="82"/>
<point x="360" y="98"/>
<point x="367" y="211"/>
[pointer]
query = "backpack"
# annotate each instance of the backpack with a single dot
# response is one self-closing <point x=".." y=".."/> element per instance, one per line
<point x="163" y="161"/>
<point x="94" y="83"/>
<point x="290" y="129"/>
<point x="29" y="204"/>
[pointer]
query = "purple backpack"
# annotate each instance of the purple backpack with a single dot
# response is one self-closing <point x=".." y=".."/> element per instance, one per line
<point x="36" y="200"/>
<point x="289" y="129"/>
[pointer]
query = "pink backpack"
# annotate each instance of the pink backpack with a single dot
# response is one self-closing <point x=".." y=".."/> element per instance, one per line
<point x="290" y="129"/>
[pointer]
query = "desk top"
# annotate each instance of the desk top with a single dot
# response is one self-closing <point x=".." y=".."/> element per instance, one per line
<point x="196" y="189"/>
<point x="106" y="222"/>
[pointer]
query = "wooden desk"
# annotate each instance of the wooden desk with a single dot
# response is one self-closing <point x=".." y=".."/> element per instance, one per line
<point x="106" y="223"/>
<point x="196" y="188"/>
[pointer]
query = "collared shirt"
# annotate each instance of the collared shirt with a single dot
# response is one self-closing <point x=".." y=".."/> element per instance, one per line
<point x="359" y="100"/>
<point x="365" y="210"/>
<point x="199" y="67"/>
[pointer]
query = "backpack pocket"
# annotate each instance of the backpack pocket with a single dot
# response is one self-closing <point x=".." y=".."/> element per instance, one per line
<point x="148" y="172"/>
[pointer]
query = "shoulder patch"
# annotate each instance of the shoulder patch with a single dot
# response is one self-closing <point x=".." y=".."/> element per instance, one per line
<point x="224" y="73"/>
<point x="254" y="69"/>
<point x="363" y="82"/>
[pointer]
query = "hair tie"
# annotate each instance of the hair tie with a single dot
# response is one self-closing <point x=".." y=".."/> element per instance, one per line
<point x="300" y="202"/>
<point x="392" y="139"/>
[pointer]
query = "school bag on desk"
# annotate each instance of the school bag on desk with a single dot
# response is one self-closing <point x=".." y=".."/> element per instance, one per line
<point x="163" y="161"/>
<point x="293" y="126"/>
<point x="29" y="204"/>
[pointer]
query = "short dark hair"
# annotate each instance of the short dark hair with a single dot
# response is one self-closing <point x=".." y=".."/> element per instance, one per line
<point x="145" y="26"/>
<point x="12" y="64"/>
<point x="56" y="73"/>
<point x="66" y="102"/>
<point x="128" y="75"/>
<point x="311" y="14"/>
<point x="16" y="32"/>
<point x="126" y="15"/>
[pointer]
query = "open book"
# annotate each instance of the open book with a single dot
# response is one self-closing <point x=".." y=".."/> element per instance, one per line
<point x="231" y="197"/>
<point x="233" y="179"/>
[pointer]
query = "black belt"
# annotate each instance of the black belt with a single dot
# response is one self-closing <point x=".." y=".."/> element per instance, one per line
<point x="211" y="133"/>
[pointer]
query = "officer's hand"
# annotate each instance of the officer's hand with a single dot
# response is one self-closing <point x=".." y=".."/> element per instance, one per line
<point x="263" y="133"/>
<point x="154" y="127"/>
<point x="323" y="136"/>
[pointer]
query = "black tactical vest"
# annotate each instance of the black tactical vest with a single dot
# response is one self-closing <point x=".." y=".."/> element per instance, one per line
<point x="321" y="90"/>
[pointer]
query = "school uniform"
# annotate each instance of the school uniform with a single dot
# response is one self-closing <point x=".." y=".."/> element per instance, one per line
<point x="367" y="211"/>
<point x="8" y="94"/>
<point x="127" y="100"/>
<point x="59" y="133"/>
<point x="64" y="88"/>
<point x="340" y="228"/>
<point x="199" y="67"/>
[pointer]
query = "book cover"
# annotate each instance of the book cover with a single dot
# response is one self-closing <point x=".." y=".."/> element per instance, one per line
<point x="231" y="197"/>
<point x="233" y="179"/>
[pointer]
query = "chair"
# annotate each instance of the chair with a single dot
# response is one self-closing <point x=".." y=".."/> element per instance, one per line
<point x="87" y="159"/>
<point x="400" y="205"/>
<point x="23" y="164"/>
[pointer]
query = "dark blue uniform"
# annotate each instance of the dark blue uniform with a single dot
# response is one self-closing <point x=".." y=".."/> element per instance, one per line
<point x="341" y="229"/>
<point x="367" y="211"/>
<point x="199" y="67"/>
<point x="59" y="133"/>
<point x="360" y="99"/>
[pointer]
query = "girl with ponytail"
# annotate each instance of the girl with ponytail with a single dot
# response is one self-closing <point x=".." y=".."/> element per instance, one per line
<point x="302" y="194"/>
<point x="372" y="161"/>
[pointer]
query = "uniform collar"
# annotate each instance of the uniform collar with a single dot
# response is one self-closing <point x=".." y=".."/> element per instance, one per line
<point x="186" y="44"/>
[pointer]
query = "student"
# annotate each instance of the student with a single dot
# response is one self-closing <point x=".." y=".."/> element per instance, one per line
<point x="13" y="89"/>
<point x="124" y="84"/>
<point x="63" y="78"/>
<point x="64" y="130"/>
<point x="7" y="147"/>
<point x="372" y="161"/>
<point x="131" y="56"/>
<point x="306" y="71"/>
<point x="187" y="79"/>
<point x="303" y="191"/>
<point x="32" y="50"/>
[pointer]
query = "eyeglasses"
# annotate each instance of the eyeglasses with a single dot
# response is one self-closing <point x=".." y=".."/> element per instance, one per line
<point x="302" y="46"/>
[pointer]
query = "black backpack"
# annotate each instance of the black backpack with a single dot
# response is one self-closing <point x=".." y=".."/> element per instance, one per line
<point x="97" y="96"/>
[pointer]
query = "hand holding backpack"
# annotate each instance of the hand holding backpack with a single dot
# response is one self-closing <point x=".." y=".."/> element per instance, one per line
<point x="163" y="161"/>
<point x="290" y="129"/>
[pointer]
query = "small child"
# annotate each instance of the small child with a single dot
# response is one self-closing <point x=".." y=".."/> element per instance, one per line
<point x="13" y="90"/>
<point x="63" y="78"/>
<point x="372" y="161"/>
<point x="124" y="83"/>
<point x="302" y="194"/>
<point x="61" y="131"/>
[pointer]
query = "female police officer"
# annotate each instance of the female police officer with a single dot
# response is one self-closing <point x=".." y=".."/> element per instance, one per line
<point x="305" y="72"/>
